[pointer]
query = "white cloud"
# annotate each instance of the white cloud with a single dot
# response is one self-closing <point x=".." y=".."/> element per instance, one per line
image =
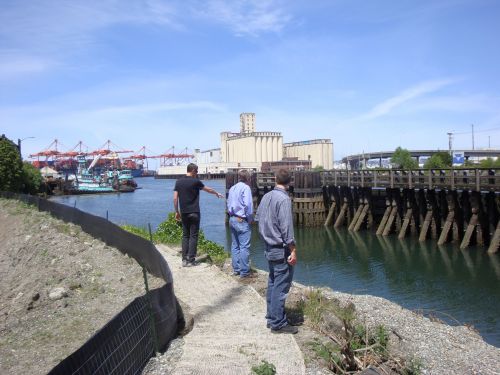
<point x="407" y="95"/>
<point x="248" y="17"/>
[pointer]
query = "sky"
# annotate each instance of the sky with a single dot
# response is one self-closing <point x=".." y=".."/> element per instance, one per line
<point x="370" y="75"/>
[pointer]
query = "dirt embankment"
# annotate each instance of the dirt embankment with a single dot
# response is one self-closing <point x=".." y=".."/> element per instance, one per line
<point x="58" y="287"/>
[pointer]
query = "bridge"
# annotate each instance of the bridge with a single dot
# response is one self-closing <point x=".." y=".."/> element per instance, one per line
<point x="357" y="160"/>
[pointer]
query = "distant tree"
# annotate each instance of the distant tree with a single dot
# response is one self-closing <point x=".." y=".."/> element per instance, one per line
<point x="318" y="168"/>
<point x="402" y="158"/>
<point x="440" y="159"/>
<point x="32" y="179"/>
<point x="11" y="166"/>
<point x="489" y="163"/>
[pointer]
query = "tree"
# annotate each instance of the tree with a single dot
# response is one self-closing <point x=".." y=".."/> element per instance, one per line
<point x="318" y="168"/>
<point x="32" y="179"/>
<point x="489" y="163"/>
<point x="402" y="158"/>
<point x="440" y="159"/>
<point x="11" y="166"/>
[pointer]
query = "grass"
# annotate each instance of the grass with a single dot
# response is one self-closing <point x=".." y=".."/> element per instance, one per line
<point x="351" y="345"/>
<point x="265" y="368"/>
<point x="170" y="232"/>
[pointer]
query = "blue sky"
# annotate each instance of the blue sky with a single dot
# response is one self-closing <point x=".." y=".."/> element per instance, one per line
<point x="370" y="75"/>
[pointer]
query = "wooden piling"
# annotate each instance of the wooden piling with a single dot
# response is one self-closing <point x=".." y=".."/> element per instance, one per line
<point x="406" y="223"/>
<point x="331" y="211"/>
<point x="469" y="231"/>
<point x="341" y="217"/>
<point x="495" y="241"/>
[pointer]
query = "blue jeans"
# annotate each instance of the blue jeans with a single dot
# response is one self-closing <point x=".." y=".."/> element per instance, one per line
<point x="240" y="246"/>
<point x="278" y="286"/>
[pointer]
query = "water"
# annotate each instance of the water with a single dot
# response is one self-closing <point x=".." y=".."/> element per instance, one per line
<point x="451" y="284"/>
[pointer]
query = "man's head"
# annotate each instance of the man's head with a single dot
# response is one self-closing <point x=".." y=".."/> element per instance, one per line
<point x="243" y="175"/>
<point x="192" y="169"/>
<point x="283" y="177"/>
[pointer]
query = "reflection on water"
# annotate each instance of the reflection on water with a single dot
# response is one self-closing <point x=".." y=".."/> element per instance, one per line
<point x="463" y="284"/>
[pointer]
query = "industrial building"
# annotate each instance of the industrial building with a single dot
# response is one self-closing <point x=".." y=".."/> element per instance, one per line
<point x="251" y="149"/>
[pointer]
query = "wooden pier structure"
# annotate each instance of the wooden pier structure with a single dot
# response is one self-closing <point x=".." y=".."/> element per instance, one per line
<point x="448" y="205"/>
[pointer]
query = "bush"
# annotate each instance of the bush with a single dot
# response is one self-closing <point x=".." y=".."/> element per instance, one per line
<point x="170" y="232"/>
<point x="31" y="179"/>
<point x="11" y="166"/>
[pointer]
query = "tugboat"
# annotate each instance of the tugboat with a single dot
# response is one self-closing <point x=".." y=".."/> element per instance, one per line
<point x="122" y="180"/>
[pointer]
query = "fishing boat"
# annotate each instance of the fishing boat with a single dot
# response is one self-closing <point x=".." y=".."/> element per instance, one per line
<point x="85" y="182"/>
<point x="122" y="180"/>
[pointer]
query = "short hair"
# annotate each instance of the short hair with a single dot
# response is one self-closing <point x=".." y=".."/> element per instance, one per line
<point x="192" y="167"/>
<point x="243" y="175"/>
<point x="283" y="177"/>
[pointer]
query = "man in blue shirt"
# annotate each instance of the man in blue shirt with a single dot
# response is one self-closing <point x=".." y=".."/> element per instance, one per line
<point x="240" y="210"/>
<point x="276" y="228"/>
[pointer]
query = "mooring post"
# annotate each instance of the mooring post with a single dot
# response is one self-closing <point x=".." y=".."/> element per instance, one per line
<point x="356" y="215"/>
<point x="329" y="218"/>
<point x="342" y="213"/>
<point x="470" y="229"/>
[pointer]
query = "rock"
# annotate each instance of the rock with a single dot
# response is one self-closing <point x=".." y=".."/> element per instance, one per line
<point x="58" y="293"/>
<point x="35" y="296"/>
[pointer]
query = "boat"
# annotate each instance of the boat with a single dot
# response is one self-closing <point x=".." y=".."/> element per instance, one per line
<point x="85" y="182"/>
<point x="122" y="180"/>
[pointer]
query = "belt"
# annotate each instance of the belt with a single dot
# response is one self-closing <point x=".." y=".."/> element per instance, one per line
<point x="239" y="218"/>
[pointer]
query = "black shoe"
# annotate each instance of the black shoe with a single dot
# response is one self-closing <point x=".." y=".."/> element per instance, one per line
<point x="290" y="323"/>
<point x="286" y="329"/>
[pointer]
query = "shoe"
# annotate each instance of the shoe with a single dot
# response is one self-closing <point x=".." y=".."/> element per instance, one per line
<point x="249" y="276"/>
<point x="268" y="325"/>
<point x="184" y="263"/>
<point x="235" y="274"/>
<point x="286" y="329"/>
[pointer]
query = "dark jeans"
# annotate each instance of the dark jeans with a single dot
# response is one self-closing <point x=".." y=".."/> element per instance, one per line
<point x="190" y="229"/>
<point x="278" y="286"/>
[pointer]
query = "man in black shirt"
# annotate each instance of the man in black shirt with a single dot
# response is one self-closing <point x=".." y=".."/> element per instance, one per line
<point x="187" y="193"/>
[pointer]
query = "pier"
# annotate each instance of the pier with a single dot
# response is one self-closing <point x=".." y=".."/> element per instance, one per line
<point x="447" y="205"/>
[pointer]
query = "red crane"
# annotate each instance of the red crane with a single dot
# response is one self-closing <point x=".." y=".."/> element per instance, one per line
<point x="171" y="158"/>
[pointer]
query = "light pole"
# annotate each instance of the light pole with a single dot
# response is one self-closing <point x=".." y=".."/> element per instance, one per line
<point x="450" y="140"/>
<point x="19" y="144"/>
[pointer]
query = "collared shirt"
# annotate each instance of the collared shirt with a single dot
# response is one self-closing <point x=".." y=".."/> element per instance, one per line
<point x="275" y="218"/>
<point x="239" y="201"/>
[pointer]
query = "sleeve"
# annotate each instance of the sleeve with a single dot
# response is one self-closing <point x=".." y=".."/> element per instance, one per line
<point x="247" y="199"/>
<point x="285" y="221"/>
<point x="175" y="186"/>
<point x="200" y="185"/>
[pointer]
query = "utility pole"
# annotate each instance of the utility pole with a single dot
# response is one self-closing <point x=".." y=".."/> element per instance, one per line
<point x="472" y="136"/>
<point x="450" y="141"/>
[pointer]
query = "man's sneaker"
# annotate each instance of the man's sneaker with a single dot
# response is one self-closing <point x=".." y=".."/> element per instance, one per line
<point x="191" y="264"/>
<point x="184" y="263"/>
<point x="286" y="329"/>
<point x="235" y="274"/>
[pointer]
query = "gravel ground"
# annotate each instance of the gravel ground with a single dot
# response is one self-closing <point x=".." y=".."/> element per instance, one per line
<point x="58" y="287"/>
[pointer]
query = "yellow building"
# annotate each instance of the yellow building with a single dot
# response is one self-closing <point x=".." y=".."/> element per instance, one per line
<point x="318" y="151"/>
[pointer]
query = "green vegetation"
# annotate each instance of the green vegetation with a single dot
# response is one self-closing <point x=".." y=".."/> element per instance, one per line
<point x="402" y="159"/>
<point x="440" y="159"/>
<point x="170" y="232"/>
<point x="490" y="163"/>
<point x="15" y="175"/>
<point x="31" y="179"/>
<point x="11" y="167"/>
<point x="355" y="345"/>
<point x="318" y="168"/>
<point x="265" y="368"/>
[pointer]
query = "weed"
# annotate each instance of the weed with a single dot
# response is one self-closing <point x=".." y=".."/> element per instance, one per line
<point x="265" y="368"/>
<point x="413" y="367"/>
<point x="328" y="352"/>
<point x="138" y="231"/>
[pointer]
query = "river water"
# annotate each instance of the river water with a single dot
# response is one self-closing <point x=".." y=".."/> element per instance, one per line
<point x="443" y="281"/>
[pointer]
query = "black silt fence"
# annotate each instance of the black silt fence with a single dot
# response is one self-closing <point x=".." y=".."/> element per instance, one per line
<point x="124" y="344"/>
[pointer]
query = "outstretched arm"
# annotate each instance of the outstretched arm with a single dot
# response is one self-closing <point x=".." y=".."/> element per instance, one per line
<point x="211" y="191"/>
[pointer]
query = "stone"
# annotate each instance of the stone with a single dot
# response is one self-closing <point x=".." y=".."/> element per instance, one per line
<point x="57" y="293"/>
